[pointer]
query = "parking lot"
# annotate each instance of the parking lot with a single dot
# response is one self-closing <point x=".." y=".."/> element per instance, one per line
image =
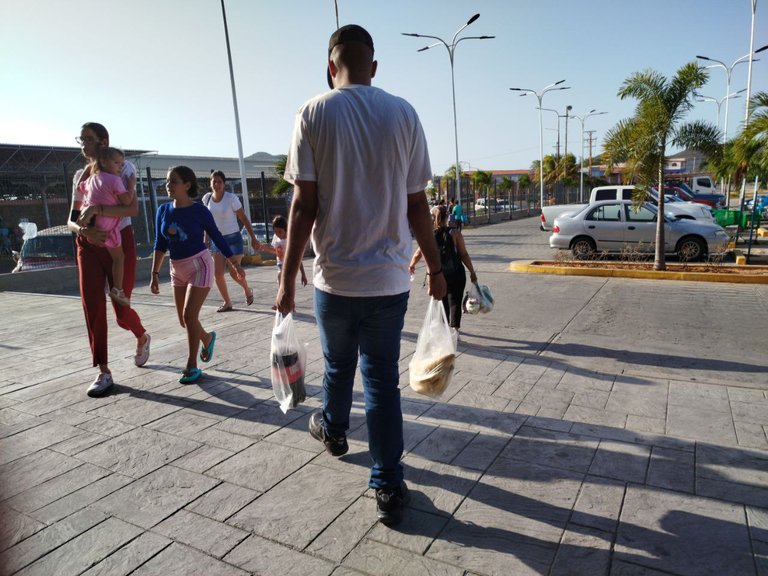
<point x="593" y="426"/>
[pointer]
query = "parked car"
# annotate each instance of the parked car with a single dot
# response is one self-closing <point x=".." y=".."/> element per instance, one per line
<point x="615" y="226"/>
<point x="685" y="192"/>
<point x="260" y="229"/>
<point x="49" y="248"/>
<point x="762" y="205"/>
<point x="496" y="204"/>
<point x="682" y="209"/>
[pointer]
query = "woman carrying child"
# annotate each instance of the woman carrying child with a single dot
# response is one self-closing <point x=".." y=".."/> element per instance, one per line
<point x="95" y="263"/>
<point x="105" y="188"/>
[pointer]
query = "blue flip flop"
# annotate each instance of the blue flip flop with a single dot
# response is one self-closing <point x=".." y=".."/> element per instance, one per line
<point x="191" y="375"/>
<point x="206" y="354"/>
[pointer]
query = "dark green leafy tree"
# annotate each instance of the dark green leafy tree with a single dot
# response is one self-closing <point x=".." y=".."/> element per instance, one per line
<point x="642" y="140"/>
<point x="282" y="186"/>
<point x="749" y="153"/>
<point x="482" y="181"/>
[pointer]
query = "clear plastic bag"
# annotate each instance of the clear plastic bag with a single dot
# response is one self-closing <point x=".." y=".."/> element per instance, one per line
<point x="431" y="367"/>
<point x="471" y="301"/>
<point x="288" y="359"/>
<point x="486" y="298"/>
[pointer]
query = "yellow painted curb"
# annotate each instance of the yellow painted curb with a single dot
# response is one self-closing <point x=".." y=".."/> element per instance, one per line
<point x="552" y="267"/>
<point x="252" y="259"/>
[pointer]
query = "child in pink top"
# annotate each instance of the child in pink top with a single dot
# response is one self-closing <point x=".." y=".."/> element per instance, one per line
<point x="105" y="188"/>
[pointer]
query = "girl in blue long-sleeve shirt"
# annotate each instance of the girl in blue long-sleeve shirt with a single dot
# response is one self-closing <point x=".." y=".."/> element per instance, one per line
<point x="180" y="228"/>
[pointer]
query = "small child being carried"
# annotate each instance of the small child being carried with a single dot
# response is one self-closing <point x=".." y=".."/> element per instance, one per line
<point x="105" y="188"/>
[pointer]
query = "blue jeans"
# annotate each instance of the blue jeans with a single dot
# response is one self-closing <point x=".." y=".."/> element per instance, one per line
<point x="370" y="326"/>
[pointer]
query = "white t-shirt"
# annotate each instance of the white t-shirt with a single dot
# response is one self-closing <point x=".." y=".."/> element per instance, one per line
<point x="128" y="170"/>
<point x="224" y="212"/>
<point x="279" y="245"/>
<point x="367" y="152"/>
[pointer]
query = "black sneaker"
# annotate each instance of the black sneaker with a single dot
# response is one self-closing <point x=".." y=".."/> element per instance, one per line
<point x="334" y="446"/>
<point x="390" y="504"/>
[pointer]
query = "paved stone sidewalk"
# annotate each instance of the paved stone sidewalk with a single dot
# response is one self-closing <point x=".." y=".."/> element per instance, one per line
<point x="593" y="426"/>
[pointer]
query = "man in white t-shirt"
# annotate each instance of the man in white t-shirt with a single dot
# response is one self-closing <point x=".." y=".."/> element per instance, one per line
<point x="359" y="165"/>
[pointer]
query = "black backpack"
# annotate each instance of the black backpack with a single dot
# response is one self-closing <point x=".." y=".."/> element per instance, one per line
<point x="450" y="260"/>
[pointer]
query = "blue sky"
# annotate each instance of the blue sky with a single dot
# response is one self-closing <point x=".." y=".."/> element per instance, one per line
<point x="155" y="71"/>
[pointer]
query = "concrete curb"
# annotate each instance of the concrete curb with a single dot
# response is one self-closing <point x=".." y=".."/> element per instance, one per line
<point x="552" y="267"/>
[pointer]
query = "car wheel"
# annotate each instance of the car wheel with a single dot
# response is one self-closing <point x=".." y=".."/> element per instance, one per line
<point x="691" y="249"/>
<point x="583" y="247"/>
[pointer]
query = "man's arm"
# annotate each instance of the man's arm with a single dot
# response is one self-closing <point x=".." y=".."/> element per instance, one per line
<point x="301" y="218"/>
<point x="421" y="224"/>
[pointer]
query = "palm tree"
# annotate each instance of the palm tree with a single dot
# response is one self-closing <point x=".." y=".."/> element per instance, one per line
<point x="567" y="170"/>
<point x="451" y="172"/>
<point x="281" y="186"/>
<point x="505" y="186"/>
<point x="482" y="181"/>
<point x="642" y="141"/>
<point x="551" y="175"/>
<point x="749" y="150"/>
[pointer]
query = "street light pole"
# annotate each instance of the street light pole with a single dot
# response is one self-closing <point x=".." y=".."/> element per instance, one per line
<point x="243" y="180"/>
<point x="539" y="96"/>
<point x="567" y="110"/>
<point x="558" y="127"/>
<point x="728" y="71"/>
<point x="719" y="103"/>
<point x="451" y="48"/>
<point x="581" y="168"/>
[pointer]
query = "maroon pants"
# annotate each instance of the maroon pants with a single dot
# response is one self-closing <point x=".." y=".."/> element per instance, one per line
<point x="95" y="265"/>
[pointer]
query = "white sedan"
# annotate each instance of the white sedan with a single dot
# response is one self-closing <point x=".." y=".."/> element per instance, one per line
<point x="616" y="226"/>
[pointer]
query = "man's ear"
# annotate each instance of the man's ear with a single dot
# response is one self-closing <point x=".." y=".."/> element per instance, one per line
<point x="374" y="66"/>
<point x="332" y="71"/>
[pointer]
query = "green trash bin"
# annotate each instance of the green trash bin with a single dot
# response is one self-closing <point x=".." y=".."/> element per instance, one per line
<point x="725" y="217"/>
<point x="746" y="219"/>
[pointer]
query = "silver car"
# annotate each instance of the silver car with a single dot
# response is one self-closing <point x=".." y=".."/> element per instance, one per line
<point x="616" y="226"/>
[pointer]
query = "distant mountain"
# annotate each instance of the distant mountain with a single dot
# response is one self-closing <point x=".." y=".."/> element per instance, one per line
<point x="262" y="157"/>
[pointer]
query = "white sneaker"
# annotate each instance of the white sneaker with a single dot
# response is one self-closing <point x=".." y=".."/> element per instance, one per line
<point x="99" y="386"/>
<point x="456" y="334"/>
<point x="120" y="297"/>
<point x="142" y="355"/>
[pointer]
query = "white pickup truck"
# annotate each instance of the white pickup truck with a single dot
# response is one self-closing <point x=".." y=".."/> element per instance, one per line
<point x="679" y="209"/>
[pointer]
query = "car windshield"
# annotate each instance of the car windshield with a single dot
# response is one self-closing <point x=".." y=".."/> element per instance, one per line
<point x="48" y="247"/>
<point x="260" y="230"/>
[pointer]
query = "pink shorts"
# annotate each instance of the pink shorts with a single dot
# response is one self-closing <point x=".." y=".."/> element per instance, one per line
<point x="196" y="270"/>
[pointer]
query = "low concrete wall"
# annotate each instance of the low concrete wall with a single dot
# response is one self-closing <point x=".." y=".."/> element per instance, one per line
<point x="62" y="280"/>
<point x="65" y="280"/>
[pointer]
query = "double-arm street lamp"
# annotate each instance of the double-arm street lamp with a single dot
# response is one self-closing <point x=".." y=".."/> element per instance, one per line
<point x="539" y="96"/>
<point x="728" y="72"/>
<point x="582" y="119"/>
<point x="451" y="49"/>
<point x="719" y="103"/>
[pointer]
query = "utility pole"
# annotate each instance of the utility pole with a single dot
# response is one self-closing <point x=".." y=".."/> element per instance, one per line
<point x="590" y="132"/>
<point x="567" y="110"/>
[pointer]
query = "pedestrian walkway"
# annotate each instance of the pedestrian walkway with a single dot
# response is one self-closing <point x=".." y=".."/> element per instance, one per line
<point x="595" y="426"/>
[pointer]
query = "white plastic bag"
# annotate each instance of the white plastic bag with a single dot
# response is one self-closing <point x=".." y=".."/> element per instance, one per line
<point x="288" y="359"/>
<point x="431" y="367"/>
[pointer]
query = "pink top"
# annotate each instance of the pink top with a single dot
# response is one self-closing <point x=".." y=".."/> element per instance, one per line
<point x="102" y="189"/>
